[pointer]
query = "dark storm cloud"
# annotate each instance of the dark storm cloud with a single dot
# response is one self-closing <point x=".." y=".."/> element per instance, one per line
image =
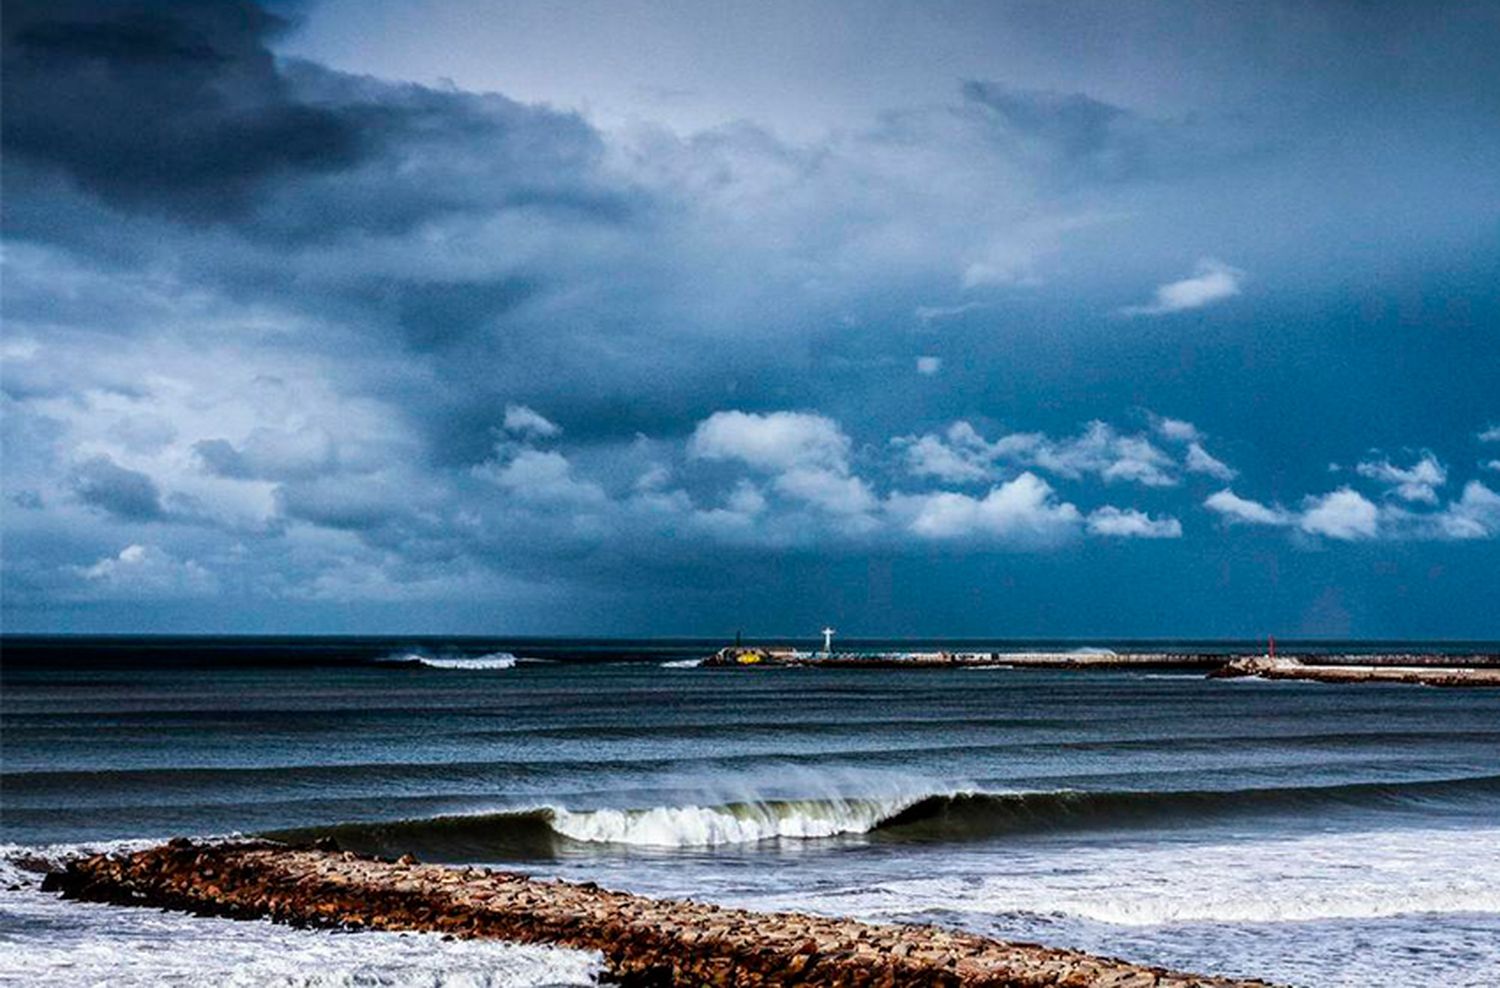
<point x="181" y="110"/>
<point x="127" y="494"/>
<point x="175" y="108"/>
<point x="434" y="313"/>
<point x="304" y="315"/>
<point x="334" y="504"/>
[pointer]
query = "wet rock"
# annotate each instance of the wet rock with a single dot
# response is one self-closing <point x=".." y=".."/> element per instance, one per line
<point x="646" y="942"/>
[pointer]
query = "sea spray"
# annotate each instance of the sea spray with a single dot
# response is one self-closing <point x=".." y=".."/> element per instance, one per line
<point x="737" y="823"/>
<point x="55" y="942"/>
<point x="918" y="816"/>
<point x="476" y="663"/>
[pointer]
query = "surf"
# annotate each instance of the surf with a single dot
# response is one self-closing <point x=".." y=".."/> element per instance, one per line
<point x="929" y="816"/>
<point x="472" y="663"/>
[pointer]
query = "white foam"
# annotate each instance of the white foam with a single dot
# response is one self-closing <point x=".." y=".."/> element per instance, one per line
<point x="48" y="941"/>
<point x="738" y="823"/>
<point x="494" y="660"/>
<point x="682" y="664"/>
<point x="1344" y="876"/>
<point x="25" y="864"/>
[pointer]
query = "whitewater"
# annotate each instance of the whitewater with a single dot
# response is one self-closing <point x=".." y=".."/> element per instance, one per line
<point x="1306" y="834"/>
<point x="462" y="663"/>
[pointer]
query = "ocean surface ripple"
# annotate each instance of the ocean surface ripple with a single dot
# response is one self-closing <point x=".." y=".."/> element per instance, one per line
<point x="1307" y="834"/>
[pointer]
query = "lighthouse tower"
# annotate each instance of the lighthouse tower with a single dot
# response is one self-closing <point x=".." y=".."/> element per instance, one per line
<point x="827" y="641"/>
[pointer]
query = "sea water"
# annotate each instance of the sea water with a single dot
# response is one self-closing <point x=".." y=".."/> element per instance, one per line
<point x="1302" y="833"/>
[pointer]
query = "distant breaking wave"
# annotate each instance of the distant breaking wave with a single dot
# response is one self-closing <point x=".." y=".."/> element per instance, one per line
<point x="682" y="664"/>
<point x="494" y="660"/>
<point x="931" y="817"/>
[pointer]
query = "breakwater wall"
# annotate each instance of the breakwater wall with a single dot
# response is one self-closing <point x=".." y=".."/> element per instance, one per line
<point x="756" y="657"/>
<point x="646" y="942"/>
<point x="1395" y="669"/>
<point x="1476" y="668"/>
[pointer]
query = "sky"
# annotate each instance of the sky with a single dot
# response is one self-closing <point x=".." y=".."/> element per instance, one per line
<point x="1089" y="320"/>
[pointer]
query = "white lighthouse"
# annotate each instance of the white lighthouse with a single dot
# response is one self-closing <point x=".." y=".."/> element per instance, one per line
<point x="827" y="641"/>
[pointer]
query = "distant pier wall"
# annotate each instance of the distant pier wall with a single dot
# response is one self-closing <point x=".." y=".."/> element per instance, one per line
<point x="1376" y="669"/>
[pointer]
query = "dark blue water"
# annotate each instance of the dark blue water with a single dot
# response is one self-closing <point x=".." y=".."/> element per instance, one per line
<point x="1313" y="834"/>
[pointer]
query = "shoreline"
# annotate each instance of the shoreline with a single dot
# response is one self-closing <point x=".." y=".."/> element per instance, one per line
<point x="644" y="941"/>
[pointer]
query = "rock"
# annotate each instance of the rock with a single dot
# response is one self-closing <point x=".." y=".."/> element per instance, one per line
<point x="646" y="942"/>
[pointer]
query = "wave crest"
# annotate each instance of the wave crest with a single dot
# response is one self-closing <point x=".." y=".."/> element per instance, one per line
<point x="732" y="823"/>
<point x="493" y="660"/>
<point x="931" y="816"/>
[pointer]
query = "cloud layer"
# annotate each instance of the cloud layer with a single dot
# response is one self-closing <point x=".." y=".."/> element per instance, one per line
<point x="290" y="342"/>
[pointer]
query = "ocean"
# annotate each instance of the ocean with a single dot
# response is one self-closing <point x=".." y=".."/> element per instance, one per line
<point x="1303" y="833"/>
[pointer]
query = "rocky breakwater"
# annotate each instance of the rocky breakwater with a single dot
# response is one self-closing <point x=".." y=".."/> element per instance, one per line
<point x="644" y="941"/>
<point x="1380" y="669"/>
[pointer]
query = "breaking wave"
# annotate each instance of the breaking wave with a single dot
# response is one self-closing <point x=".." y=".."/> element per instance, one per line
<point x="494" y="660"/>
<point x="682" y="664"/>
<point x="931" y="817"/>
<point x="24" y="864"/>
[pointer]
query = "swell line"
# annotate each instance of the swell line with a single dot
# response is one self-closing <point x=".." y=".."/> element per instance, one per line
<point x="546" y="830"/>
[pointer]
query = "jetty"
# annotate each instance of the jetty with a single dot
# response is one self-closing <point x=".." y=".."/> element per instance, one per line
<point x="1430" y="669"/>
<point x="742" y="656"/>
<point x="645" y="942"/>
<point x="1422" y="670"/>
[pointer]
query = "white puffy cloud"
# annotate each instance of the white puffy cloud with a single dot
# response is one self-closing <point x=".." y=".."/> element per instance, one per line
<point x="746" y="499"/>
<point x="1178" y="430"/>
<point x="1234" y="508"/>
<point x="1130" y="523"/>
<point x="1343" y="514"/>
<point x="1103" y="451"/>
<point x="1490" y="434"/>
<point x="807" y="454"/>
<point x="148" y="571"/>
<point x="1211" y="281"/>
<point x="542" y="477"/>
<point x="521" y="420"/>
<point x="832" y="490"/>
<point x="744" y="505"/>
<point x="774" y="441"/>
<point x="1475" y="515"/>
<point x="1346" y="515"/>
<point x="929" y="366"/>
<point x="1419" y="482"/>
<point x="1200" y="460"/>
<point x="1023" y="509"/>
<point x="962" y="454"/>
<point x="1196" y="459"/>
